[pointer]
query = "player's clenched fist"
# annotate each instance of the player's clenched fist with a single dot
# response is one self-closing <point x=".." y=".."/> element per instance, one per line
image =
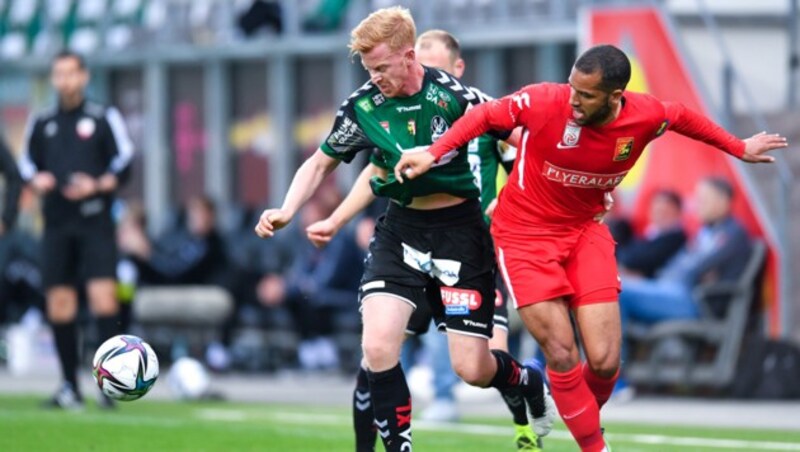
<point x="270" y="221"/>
<point x="321" y="232"/>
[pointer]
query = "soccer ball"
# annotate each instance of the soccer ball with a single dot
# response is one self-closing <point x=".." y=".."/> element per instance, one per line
<point x="188" y="379"/>
<point x="125" y="367"/>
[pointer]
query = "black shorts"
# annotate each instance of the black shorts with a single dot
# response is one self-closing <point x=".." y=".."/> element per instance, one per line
<point x="78" y="251"/>
<point x="443" y="258"/>
<point x="421" y="318"/>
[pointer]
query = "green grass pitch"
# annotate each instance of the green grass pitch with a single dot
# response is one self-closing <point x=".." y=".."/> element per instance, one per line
<point x="170" y="426"/>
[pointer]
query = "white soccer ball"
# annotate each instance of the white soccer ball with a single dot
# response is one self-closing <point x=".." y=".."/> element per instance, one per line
<point x="188" y="379"/>
<point x="125" y="367"/>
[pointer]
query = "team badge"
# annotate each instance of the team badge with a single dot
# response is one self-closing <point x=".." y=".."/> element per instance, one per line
<point x="662" y="128"/>
<point x="51" y="128"/>
<point x="85" y="128"/>
<point x="412" y="127"/>
<point x="572" y="133"/>
<point x="623" y="149"/>
<point x="438" y="127"/>
<point x="365" y="105"/>
<point x="385" y="125"/>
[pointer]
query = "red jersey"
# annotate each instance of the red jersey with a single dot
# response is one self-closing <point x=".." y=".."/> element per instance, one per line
<point x="564" y="169"/>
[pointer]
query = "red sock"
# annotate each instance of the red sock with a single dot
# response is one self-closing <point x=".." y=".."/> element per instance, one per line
<point x="578" y="407"/>
<point x="600" y="387"/>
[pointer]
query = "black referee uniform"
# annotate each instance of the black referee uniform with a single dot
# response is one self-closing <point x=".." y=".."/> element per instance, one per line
<point x="79" y="241"/>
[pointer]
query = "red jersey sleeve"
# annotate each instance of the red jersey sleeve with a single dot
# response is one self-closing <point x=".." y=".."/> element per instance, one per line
<point x="500" y="114"/>
<point x="696" y="126"/>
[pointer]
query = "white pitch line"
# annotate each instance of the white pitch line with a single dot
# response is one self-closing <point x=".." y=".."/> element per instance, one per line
<point x="491" y="430"/>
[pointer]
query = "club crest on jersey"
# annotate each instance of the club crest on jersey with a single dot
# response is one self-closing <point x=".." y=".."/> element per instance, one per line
<point x="438" y="127"/>
<point x="572" y="133"/>
<point x="51" y="128"/>
<point x="385" y="125"/>
<point x="412" y="127"/>
<point x="623" y="149"/>
<point x="85" y="128"/>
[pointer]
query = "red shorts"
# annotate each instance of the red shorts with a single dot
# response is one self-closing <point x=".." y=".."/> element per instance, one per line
<point x="576" y="264"/>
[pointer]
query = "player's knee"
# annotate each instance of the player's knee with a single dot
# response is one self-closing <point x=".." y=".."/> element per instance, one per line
<point x="561" y="358"/>
<point x="472" y="373"/>
<point x="604" y="368"/>
<point x="380" y="355"/>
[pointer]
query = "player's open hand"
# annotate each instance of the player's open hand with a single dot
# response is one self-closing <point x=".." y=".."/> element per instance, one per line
<point x="270" y="221"/>
<point x="413" y="165"/>
<point x="758" y="144"/>
<point x="321" y="232"/>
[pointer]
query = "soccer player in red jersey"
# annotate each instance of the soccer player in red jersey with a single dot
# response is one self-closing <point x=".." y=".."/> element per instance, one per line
<point x="579" y="141"/>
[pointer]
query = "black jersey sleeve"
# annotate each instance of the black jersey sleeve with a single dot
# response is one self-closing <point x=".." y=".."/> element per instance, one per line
<point x="348" y="138"/>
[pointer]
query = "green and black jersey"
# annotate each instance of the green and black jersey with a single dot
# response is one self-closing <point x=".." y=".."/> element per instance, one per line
<point x="486" y="154"/>
<point x="369" y="121"/>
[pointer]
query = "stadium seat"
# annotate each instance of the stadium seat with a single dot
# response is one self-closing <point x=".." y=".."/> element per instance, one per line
<point x="190" y="315"/>
<point x="698" y="353"/>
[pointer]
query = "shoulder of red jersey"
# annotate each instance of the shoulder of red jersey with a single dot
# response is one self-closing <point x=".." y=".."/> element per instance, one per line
<point x="648" y="108"/>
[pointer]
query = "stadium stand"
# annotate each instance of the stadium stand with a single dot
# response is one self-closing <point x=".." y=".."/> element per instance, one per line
<point x="703" y="352"/>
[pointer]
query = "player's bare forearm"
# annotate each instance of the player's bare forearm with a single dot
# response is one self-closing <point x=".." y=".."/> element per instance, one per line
<point x="359" y="197"/>
<point x="306" y="181"/>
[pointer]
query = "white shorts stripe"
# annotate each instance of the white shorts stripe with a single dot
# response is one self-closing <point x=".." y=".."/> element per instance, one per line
<point x="501" y="262"/>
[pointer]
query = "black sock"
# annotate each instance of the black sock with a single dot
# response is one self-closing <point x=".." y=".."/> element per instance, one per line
<point x="363" y="414"/>
<point x="391" y="400"/>
<point x="66" y="338"/>
<point x="511" y="374"/>
<point x="108" y="327"/>
<point x="516" y="404"/>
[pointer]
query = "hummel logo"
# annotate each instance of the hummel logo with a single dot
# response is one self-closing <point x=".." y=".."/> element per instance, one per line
<point x="564" y="146"/>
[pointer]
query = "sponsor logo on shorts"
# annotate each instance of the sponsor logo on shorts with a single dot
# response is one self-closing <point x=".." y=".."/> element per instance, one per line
<point x="469" y="322"/>
<point x="460" y="301"/>
<point x="580" y="179"/>
<point x="446" y="270"/>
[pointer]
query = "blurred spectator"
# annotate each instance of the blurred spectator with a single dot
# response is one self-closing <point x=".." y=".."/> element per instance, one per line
<point x="194" y="254"/>
<point x="13" y="186"/>
<point x="663" y="237"/>
<point x="319" y="287"/>
<point x="327" y="16"/>
<point x="20" y="271"/>
<point x="261" y="14"/>
<point x="719" y="252"/>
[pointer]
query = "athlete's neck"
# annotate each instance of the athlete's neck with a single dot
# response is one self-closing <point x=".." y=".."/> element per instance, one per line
<point x="614" y="114"/>
<point x="414" y="83"/>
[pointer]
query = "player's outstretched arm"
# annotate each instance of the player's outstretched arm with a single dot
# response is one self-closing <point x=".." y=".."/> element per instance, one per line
<point x="305" y="183"/>
<point x="756" y="146"/>
<point x="359" y="197"/>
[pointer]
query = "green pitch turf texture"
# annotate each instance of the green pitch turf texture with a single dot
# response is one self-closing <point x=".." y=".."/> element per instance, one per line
<point x="170" y="426"/>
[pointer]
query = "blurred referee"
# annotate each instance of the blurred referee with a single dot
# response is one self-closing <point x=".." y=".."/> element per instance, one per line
<point x="76" y="154"/>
